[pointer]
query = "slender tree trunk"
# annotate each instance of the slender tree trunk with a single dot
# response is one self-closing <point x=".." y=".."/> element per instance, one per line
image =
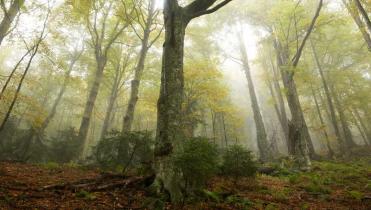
<point x="129" y="115"/>
<point x="59" y="97"/>
<point x="363" y="125"/>
<point x="329" y="99"/>
<point x="9" y="17"/>
<point x="349" y="142"/>
<point x="93" y="93"/>
<point x="323" y="124"/>
<point x="355" y="15"/>
<point x="225" y="131"/>
<point x="20" y="84"/>
<point x="261" y="135"/>
<point x="281" y="109"/>
<point x="213" y="125"/>
<point x="363" y="13"/>
<point x="111" y="103"/>
<point x="359" y="127"/>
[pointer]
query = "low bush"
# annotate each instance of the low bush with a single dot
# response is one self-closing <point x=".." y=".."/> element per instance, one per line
<point x="238" y="162"/>
<point x="196" y="162"/>
<point x="125" y="150"/>
<point x="65" y="147"/>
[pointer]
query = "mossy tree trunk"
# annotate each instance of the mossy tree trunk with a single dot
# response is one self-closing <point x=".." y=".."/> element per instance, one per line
<point x="169" y="118"/>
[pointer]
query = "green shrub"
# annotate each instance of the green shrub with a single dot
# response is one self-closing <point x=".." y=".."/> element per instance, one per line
<point x="124" y="150"/>
<point x="356" y="195"/>
<point x="197" y="162"/>
<point x="66" y="147"/>
<point x="238" y="162"/>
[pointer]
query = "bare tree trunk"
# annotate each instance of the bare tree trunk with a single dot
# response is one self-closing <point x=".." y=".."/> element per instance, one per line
<point x="364" y="14"/>
<point x="297" y="144"/>
<point x="261" y="135"/>
<point x="13" y="72"/>
<point x="363" y="125"/>
<point x="323" y="124"/>
<point x="20" y="84"/>
<point x="224" y="131"/>
<point x="360" y="24"/>
<point x="60" y="95"/>
<point x="129" y="115"/>
<point x="111" y="103"/>
<point x="9" y="16"/>
<point x="213" y="125"/>
<point x="281" y="102"/>
<point x="329" y="99"/>
<point x="359" y="127"/>
<point x="349" y="142"/>
<point x="85" y="123"/>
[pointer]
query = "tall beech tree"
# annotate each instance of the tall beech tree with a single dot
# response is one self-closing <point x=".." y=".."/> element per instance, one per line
<point x="261" y="135"/>
<point x="169" y="119"/>
<point x="299" y="138"/>
<point x="148" y="27"/>
<point x="103" y="36"/>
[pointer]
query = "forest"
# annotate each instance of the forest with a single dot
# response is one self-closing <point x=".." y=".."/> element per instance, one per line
<point x="185" y="104"/>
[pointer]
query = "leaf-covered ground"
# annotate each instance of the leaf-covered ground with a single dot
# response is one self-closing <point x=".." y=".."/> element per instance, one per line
<point x="330" y="185"/>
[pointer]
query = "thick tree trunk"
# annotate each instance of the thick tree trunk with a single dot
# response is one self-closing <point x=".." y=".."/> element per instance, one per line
<point x="9" y="17"/>
<point x="93" y="93"/>
<point x="323" y="124"/>
<point x="298" y="146"/>
<point x="169" y="128"/>
<point x="261" y="135"/>
<point x="329" y="100"/>
<point x="129" y="116"/>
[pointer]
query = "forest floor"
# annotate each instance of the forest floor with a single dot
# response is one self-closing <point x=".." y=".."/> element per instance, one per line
<point x="330" y="185"/>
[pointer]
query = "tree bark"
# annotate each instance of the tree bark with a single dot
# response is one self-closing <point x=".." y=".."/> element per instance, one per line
<point x="281" y="102"/>
<point x="349" y="141"/>
<point x="169" y="128"/>
<point x="329" y="100"/>
<point x="363" y="126"/>
<point x="360" y="24"/>
<point x="261" y="135"/>
<point x="135" y="83"/>
<point x="111" y="104"/>
<point x="53" y="111"/>
<point x="169" y="108"/>
<point x="323" y="124"/>
<point x="9" y="16"/>
<point x="364" y="14"/>
<point x="297" y="144"/>
<point x="88" y="111"/>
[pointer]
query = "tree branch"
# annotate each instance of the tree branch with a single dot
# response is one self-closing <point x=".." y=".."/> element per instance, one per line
<point x="296" y="58"/>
